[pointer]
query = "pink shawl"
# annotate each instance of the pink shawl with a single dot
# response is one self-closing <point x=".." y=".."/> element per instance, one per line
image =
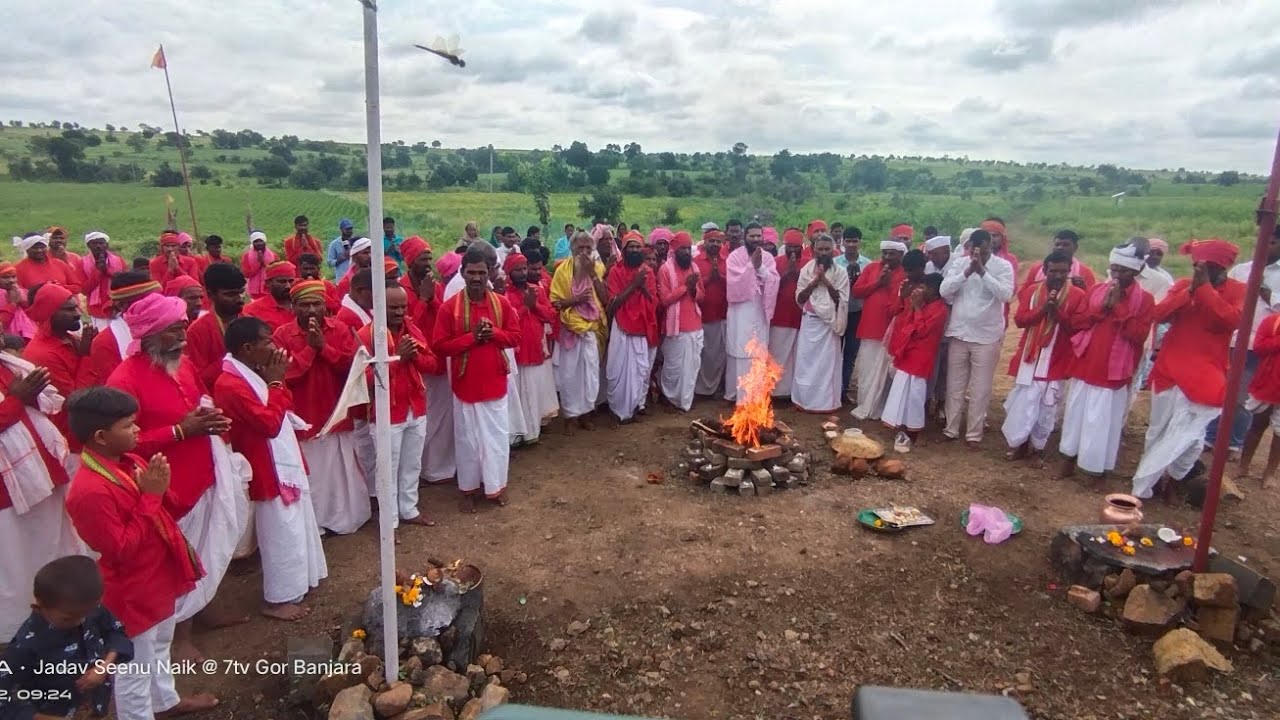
<point x="671" y="273"/>
<point x="1123" y="360"/>
<point x="89" y="269"/>
<point x="743" y="283"/>
<point x="19" y="323"/>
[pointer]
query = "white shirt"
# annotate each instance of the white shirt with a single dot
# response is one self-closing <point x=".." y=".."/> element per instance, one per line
<point x="503" y="251"/>
<point x="1156" y="281"/>
<point x="977" y="301"/>
<point x="1270" y="281"/>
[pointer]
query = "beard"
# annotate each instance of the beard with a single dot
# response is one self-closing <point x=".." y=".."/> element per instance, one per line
<point x="826" y="262"/>
<point x="167" y="360"/>
<point x="521" y="283"/>
<point x="684" y="262"/>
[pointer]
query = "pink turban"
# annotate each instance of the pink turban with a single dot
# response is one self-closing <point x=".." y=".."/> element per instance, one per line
<point x="1158" y="244"/>
<point x="185" y="239"/>
<point x="1218" y="252"/>
<point x="149" y="315"/>
<point x="771" y="236"/>
<point x="660" y="233"/>
<point x="600" y="230"/>
<point x="448" y="264"/>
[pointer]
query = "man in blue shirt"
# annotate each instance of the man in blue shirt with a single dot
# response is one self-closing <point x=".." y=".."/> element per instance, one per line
<point x="562" y="249"/>
<point x="339" y="255"/>
<point x="853" y="262"/>
<point x="391" y="241"/>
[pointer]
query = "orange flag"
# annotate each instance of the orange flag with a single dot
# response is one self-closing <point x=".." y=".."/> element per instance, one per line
<point x="157" y="60"/>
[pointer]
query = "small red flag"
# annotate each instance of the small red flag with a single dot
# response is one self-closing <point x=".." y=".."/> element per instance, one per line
<point x="157" y="60"/>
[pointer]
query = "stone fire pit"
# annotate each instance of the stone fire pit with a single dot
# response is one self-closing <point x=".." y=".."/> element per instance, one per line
<point x="724" y="466"/>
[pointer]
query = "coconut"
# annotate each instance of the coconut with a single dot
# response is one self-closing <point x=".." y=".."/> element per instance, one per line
<point x="857" y="445"/>
<point x="892" y="469"/>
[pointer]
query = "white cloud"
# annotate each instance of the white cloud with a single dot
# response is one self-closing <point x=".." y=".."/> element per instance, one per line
<point x="1145" y="83"/>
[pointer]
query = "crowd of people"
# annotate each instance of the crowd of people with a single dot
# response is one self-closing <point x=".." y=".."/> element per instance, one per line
<point x="137" y="396"/>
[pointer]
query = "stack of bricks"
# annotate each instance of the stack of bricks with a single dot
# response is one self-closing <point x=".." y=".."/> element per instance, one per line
<point x="728" y="467"/>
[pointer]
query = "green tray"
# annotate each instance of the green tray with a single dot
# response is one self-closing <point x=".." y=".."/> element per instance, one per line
<point x="1017" y="521"/>
<point x="867" y="519"/>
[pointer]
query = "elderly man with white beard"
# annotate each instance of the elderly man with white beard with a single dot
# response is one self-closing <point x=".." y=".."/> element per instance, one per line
<point x="822" y="291"/>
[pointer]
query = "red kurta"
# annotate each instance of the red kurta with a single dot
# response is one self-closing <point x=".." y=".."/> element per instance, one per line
<point x="105" y="355"/>
<point x="1195" y="352"/>
<point x="295" y="248"/>
<point x="1086" y="274"/>
<point x="12" y="412"/>
<point x="99" y="281"/>
<point x="877" y="302"/>
<point x="637" y="315"/>
<point x="1028" y="318"/>
<point x="715" y="299"/>
<point x="1092" y="366"/>
<point x="68" y="370"/>
<point x="269" y="311"/>
<point x="532" y="348"/>
<point x="32" y="273"/>
<point x="408" y="391"/>
<point x="1265" y="385"/>
<point x="422" y="313"/>
<point x="787" y="312"/>
<point x="482" y="376"/>
<point x="146" y="562"/>
<point x="348" y="317"/>
<point x="161" y="273"/>
<point x="206" y="346"/>
<point x="316" y="376"/>
<point x="916" y="337"/>
<point x="253" y="425"/>
<point x="163" y="401"/>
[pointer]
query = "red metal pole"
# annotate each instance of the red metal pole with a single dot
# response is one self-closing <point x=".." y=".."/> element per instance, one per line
<point x="1235" y="374"/>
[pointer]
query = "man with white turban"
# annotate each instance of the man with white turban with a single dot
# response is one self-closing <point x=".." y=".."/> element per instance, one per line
<point x="938" y="250"/>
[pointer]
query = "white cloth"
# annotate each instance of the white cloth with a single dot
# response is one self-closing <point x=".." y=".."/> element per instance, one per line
<point x="1127" y="256"/>
<point x="439" y="463"/>
<point x="286" y="454"/>
<point x="503" y="252"/>
<point x="1270" y="281"/>
<point x="681" y="359"/>
<point x="816" y="387"/>
<point x="215" y="525"/>
<point x="627" y="370"/>
<point x="906" y="402"/>
<point x="977" y="302"/>
<point x="354" y="307"/>
<point x="515" y="409"/>
<point x="1174" y="440"/>
<point x="745" y="320"/>
<point x="140" y="695"/>
<point x="338" y="490"/>
<point x="407" y="440"/>
<point x="835" y="313"/>
<point x="124" y="336"/>
<point x="1092" y="425"/>
<point x="533" y="401"/>
<point x="1156" y="281"/>
<point x="1257" y="407"/>
<point x="366" y="455"/>
<point x="735" y="368"/>
<point x="289" y="542"/>
<point x="100" y="324"/>
<point x="30" y="540"/>
<point x="872" y="372"/>
<point x="711" y="367"/>
<point x="782" y="346"/>
<point x="577" y="373"/>
<point x="1031" y="412"/>
<point x="481" y="432"/>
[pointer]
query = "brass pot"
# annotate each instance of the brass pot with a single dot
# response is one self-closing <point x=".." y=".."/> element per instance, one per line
<point x="1121" y="509"/>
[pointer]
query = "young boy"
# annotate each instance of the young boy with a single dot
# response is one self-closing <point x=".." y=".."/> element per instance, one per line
<point x="67" y="625"/>
<point x="1264" y="401"/>
<point x="116" y="503"/>
<point x="917" y="332"/>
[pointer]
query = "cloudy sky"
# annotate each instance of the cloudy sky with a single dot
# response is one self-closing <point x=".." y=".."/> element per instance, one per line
<point x="1144" y="83"/>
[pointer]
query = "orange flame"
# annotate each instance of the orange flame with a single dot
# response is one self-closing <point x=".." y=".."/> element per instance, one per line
<point x="755" y="413"/>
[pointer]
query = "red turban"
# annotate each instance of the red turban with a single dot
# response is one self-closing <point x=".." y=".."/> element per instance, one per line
<point x="7" y="269"/>
<point x="903" y="230"/>
<point x="816" y="226"/>
<point x="993" y="226"/>
<point x="48" y="299"/>
<point x="681" y="239"/>
<point x="168" y="237"/>
<point x="412" y="247"/>
<point x="632" y="236"/>
<point x="1218" y="252"/>
<point x="793" y="237"/>
<point x="513" y="261"/>
<point x="281" y="269"/>
<point x="390" y="267"/>
<point x="174" y="287"/>
<point x="716" y="235"/>
<point x="307" y="288"/>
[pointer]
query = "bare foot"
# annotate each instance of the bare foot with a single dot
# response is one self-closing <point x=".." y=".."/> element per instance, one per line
<point x="190" y="704"/>
<point x="502" y="500"/>
<point x="422" y="519"/>
<point x="213" y="619"/>
<point x="586" y="424"/>
<point x="570" y="427"/>
<point x="1066" y="468"/>
<point x="289" y="612"/>
<point x="973" y="444"/>
<point x="467" y="504"/>
<point x="1017" y="453"/>
<point x="185" y="650"/>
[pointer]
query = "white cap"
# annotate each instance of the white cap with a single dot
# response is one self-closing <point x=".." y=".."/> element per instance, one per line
<point x="360" y="245"/>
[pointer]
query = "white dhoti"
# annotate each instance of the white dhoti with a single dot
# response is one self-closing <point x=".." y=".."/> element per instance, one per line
<point x="533" y="399"/>
<point x="735" y="368"/>
<point x="145" y="686"/>
<point x="816" y="387"/>
<point x="1175" y="439"/>
<point x="1092" y="425"/>
<point x="542" y="383"/>
<point x="481" y="432"/>
<point x="407" y="441"/>
<point x="782" y="346"/>
<point x="216" y="523"/>
<point x="681" y="360"/>
<point x="1031" y="412"/>
<point x="872" y="371"/>
<point x="289" y="542"/>
<point x="627" y="369"/>
<point x="32" y="539"/>
<point x="339" y="494"/>
<point x="905" y="404"/>
<point x="711" y="365"/>
<point x="515" y="410"/>
<point x="577" y="374"/>
<point x="367" y="454"/>
<point x="438" y="460"/>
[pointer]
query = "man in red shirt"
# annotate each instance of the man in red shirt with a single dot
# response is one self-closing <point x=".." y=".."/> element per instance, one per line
<point x="38" y="267"/>
<point x="176" y="418"/>
<point x="473" y="330"/>
<point x="301" y="241"/>
<point x="913" y="345"/>
<point x="878" y="287"/>
<point x="309" y="269"/>
<point x="1264" y="401"/>
<point x="680" y="290"/>
<point x="1188" y="382"/>
<point x="1068" y="243"/>
<point x="531" y="304"/>
<point x="408" y="400"/>
<point x="108" y="346"/>
<point x="425" y="297"/>
<point x="358" y="303"/>
<point x="1046" y="312"/>
<point x="320" y="353"/>
<point x="205" y="343"/>
<point x="54" y="311"/>
<point x="189" y="291"/>
<point x="634" y="335"/>
<point x="95" y="272"/>
<point x="275" y="307"/>
<point x="213" y="254"/>
<point x="711" y="266"/>
<point x="785" y="324"/>
<point x="1000" y="244"/>
<point x="252" y="393"/>
<point x="169" y="264"/>
<point x="117" y="503"/>
<point x="1107" y="339"/>
<point x="58" y="247"/>
<point x="578" y="292"/>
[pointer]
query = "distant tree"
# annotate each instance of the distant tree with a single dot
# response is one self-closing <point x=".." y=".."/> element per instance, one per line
<point x="283" y="152"/>
<point x="435" y="143"/>
<point x="201" y="172"/>
<point x="1109" y="172"/>
<point x="598" y="175"/>
<point x="250" y="138"/>
<point x="668" y="161"/>
<point x="166" y="176"/>
<point x="578" y="155"/>
<point x="147" y="133"/>
<point x="671" y="215"/>
<point x="110" y="127"/>
<point x="1087" y="185"/>
<point x="225" y="140"/>
<point x="16" y="123"/>
<point x="631" y="150"/>
<point x="604" y="205"/>
<point x="56" y="125"/>
<point x="136" y="142"/>
<point x="870" y="174"/>
<point x="739" y="148"/>
<point x="1228" y="178"/>
<point x="783" y="164"/>
<point x="679" y="186"/>
<point x="271" y="169"/>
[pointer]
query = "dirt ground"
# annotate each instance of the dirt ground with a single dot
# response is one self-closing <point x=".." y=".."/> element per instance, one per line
<point x="707" y="606"/>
